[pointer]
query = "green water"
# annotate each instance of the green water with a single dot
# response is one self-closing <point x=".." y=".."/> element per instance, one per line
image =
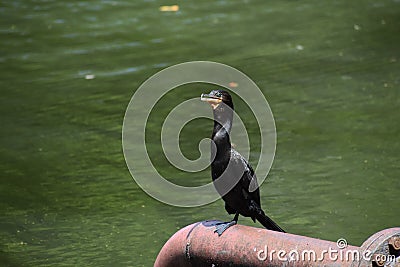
<point x="329" y="69"/>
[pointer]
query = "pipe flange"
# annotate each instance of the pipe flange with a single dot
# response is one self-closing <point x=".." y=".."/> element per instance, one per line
<point x="381" y="249"/>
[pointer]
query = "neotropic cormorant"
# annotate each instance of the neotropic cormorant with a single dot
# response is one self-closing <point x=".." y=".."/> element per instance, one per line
<point x="233" y="177"/>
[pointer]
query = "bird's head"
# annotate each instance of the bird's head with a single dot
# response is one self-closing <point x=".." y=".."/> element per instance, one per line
<point x="216" y="97"/>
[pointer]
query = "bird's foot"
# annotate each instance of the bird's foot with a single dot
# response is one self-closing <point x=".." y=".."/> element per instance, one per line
<point x="221" y="227"/>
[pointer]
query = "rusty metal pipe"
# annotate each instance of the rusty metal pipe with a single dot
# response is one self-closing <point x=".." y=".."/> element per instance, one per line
<point x="198" y="245"/>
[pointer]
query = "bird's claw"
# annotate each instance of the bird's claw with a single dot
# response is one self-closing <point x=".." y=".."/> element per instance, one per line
<point x="221" y="227"/>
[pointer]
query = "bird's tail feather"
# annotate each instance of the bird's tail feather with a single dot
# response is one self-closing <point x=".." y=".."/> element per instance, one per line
<point x="260" y="216"/>
<point x="267" y="222"/>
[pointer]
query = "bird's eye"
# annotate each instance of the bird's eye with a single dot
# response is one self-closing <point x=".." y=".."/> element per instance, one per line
<point x="218" y="94"/>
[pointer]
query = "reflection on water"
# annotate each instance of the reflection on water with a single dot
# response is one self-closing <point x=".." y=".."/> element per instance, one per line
<point x="329" y="71"/>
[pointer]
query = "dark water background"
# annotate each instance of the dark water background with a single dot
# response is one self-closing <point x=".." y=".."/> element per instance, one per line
<point x="329" y="69"/>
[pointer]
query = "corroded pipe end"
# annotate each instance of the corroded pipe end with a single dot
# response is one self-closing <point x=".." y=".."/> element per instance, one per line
<point x="380" y="249"/>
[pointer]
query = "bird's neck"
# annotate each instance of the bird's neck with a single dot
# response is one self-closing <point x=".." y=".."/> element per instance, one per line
<point x="220" y="135"/>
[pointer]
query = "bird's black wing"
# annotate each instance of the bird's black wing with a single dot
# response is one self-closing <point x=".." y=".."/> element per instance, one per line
<point x="249" y="179"/>
<point x="252" y="193"/>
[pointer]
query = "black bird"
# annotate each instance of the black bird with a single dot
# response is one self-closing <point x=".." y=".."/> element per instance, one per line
<point x="233" y="177"/>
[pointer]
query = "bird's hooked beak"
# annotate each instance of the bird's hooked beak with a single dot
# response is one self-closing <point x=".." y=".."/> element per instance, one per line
<point x="213" y="100"/>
